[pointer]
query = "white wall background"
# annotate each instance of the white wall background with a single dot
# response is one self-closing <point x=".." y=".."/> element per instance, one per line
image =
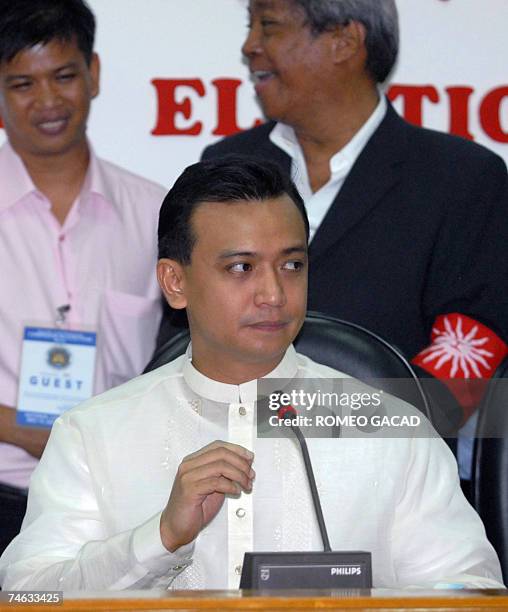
<point x="443" y="43"/>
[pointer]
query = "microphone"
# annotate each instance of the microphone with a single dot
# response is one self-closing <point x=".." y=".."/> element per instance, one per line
<point x="307" y="570"/>
<point x="288" y="412"/>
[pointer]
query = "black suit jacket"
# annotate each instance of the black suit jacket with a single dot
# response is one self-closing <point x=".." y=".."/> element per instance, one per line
<point x="419" y="229"/>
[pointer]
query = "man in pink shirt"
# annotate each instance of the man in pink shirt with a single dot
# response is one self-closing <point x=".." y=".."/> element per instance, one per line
<point x="76" y="233"/>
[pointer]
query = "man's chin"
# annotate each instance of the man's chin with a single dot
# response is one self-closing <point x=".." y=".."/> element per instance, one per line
<point x="267" y="342"/>
<point x="268" y="113"/>
<point x="268" y="110"/>
<point x="267" y="352"/>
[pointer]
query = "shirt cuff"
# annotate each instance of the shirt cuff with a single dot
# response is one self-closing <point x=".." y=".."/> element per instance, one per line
<point x="150" y="552"/>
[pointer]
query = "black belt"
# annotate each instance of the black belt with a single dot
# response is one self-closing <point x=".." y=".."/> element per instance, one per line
<point x="12" y="512"/>
<point x="10" y="492"/>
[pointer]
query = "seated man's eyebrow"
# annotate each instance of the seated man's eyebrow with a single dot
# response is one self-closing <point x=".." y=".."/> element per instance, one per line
<point x="288" y="251"/>
<point x="295" y="249"/>
<point x="229" y="254"/>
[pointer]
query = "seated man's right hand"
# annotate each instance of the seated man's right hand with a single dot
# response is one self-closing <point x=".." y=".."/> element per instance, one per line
<point x="203" y="480"/>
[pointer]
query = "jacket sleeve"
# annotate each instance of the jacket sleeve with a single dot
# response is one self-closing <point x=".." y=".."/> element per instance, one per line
<point x="468" y="270"/>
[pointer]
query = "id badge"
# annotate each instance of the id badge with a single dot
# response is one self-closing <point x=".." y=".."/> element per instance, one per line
<point x="57" y="373"/>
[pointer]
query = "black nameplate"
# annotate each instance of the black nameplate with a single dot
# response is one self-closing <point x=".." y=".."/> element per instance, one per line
<point x="307" y="570"/>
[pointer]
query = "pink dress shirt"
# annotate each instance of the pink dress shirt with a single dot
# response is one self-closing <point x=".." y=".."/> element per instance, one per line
<point x="101" y="262"/>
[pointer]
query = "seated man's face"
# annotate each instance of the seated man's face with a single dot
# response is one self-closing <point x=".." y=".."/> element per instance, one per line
<point x="45" y="94"/>
<point x="246" y="286"/>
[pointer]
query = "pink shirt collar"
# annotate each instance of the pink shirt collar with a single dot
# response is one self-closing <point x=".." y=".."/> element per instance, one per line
<point x="15" y="180"/>
<point x="17" y="184"/>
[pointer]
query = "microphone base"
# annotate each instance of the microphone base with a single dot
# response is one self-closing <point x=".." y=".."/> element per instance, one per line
<point x="307" y="570"/>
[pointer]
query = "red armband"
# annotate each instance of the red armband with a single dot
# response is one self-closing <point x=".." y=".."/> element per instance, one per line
<point x="463" y="354"/>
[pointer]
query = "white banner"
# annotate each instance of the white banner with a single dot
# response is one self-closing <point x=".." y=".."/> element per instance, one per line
<point x="173" y="79"/>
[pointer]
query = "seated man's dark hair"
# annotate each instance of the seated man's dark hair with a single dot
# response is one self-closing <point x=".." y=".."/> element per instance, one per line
<point x="229" y="179"/>
<point x="26" y="23"/>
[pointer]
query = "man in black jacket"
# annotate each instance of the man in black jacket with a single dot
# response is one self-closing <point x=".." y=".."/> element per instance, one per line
<point x="409" y="227"/>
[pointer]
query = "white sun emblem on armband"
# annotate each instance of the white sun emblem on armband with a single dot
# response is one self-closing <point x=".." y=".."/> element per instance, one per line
<point x="462" y="350"/>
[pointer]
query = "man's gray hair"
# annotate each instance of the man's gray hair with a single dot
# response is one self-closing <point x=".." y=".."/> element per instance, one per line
<point x="379" y="17"/>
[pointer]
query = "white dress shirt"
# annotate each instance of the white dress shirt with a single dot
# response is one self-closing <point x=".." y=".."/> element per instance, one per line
<point x="96" y="497"/>
<point x="318" y="203"/>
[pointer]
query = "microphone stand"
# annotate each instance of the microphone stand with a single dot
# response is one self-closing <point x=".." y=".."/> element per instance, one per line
<point x="304" y="570"/>
<point x="284" y="413"/>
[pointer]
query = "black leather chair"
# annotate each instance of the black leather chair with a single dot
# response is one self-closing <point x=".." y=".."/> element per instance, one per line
<point x="341" y="345"/>
<point x="490" y="466"/>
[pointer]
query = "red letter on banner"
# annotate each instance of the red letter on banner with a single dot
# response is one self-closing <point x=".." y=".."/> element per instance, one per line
<point x="169" y="107"/>
<point x="413" y="97"/>
<point x="227" y="107"/>
<point x="459" y="111"/>
<point x="490" y="114"/>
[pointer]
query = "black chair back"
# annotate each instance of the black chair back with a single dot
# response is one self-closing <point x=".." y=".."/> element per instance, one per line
<point x="490" y="465"/>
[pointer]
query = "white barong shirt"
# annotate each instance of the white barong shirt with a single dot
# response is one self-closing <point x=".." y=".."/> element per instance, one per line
<point x="96" y="497"/>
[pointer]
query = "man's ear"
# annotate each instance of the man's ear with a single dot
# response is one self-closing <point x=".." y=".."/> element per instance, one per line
<point x="348" y="41"/>
<point x="170" y="275"/>
<point x="95" y="72"/>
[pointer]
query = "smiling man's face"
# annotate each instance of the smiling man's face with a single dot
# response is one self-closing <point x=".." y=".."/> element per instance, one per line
<point x="245" y="289"/>
<point x="288" y="62"/>
<point x="45" y="96"/>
